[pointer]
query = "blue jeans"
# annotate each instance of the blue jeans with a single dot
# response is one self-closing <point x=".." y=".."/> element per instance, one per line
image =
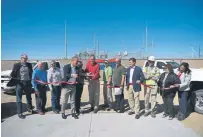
<point x="183" y="101"/>
<point x="55" y="98"/>
<point x="41" y="98"/>
<point x="27" y="88"/>
<point x="119" y="99"/>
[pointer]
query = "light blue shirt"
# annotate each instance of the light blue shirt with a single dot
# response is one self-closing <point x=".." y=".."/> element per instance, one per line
<point x="40" y="75"/>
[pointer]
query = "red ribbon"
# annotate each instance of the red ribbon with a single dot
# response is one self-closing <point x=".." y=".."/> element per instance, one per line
<point x="62" y="82"/>
<point x="72" y="83"/>
<point x="109" y="86"/>
<point x="145" y="85"/>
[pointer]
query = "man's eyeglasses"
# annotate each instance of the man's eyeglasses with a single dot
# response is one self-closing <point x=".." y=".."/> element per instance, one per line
<point x="24" y="58"/>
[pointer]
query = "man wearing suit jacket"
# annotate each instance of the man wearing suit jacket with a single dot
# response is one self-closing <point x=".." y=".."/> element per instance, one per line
<point x="21" y="78"/>
<point x="134" y="78"/>
<point x="70" y="74"/>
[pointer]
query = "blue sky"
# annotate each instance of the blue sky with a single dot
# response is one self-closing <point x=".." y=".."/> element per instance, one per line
<point x="37" y="27"/>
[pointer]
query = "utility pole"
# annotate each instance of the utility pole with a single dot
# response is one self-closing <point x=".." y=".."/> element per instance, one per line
<point x="95" y="46"/>
<point x="65" y="42"/>
<point x="146" y="42"/>
<point x="98" y="48"/>
<point x="193" y="52"/>
<point x="199" y="52"/>
<point x="142" y="49"/>
<point x="152" y="44"/>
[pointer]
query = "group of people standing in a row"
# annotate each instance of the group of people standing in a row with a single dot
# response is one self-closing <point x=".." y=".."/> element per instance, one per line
<point x="71" y="83"/>
<point x="167" y="84"/>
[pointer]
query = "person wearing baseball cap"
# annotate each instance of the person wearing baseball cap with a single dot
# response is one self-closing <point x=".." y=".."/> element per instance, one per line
<point x="107" y="92"/>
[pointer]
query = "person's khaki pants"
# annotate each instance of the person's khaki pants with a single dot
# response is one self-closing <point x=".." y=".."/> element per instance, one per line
<point x="153" y="93"/>
<point x="67" y="91"/>
<point x="133" y="100"/>
<point x="108" y="98"/>
<point x="94" y="93"/>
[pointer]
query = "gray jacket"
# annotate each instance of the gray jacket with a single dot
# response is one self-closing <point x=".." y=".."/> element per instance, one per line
<point x="185" y="81"/>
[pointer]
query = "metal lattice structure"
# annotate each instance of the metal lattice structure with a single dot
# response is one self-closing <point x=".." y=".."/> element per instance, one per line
<point x="103" y="55"/>
<point x="83" y="55"/>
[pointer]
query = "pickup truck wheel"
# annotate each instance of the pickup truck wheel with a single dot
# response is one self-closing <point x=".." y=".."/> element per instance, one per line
<point x="10" y="92"/>
<point x="197" y="101"/>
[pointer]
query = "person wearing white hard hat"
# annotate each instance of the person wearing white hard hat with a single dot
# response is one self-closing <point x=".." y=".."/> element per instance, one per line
<point x="152" y="74"/>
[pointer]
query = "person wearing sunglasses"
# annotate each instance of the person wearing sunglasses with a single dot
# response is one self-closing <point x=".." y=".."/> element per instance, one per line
<point x="54" y="77"/>
<point x="21" y="78"/>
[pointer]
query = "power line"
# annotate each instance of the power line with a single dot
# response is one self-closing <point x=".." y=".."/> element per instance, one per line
<point x="65" y="42"/>
<point x="146" y="42"/>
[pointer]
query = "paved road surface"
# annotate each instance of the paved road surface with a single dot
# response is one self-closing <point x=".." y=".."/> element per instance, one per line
<point x="94" y="125"/>
<point x="53" y="124"/>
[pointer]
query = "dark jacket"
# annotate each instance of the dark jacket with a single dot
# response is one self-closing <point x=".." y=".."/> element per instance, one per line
<point x="15" y="74"/>
<point x="137" y="75"/>
<point x="82" y="76"/>
<point x="171" y="79"/>
<point x="67" y="73"/>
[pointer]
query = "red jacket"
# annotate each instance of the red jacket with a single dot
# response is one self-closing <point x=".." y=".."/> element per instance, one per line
<point x="94" y="69"/>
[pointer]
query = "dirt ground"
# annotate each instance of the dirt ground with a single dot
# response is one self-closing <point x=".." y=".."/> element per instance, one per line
<point x="8" y="105"/>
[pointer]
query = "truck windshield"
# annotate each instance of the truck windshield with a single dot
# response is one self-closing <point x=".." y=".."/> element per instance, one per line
<point x="174" y="64"/>
<point x="102" y="65"/>
<point x="33" y="64"/>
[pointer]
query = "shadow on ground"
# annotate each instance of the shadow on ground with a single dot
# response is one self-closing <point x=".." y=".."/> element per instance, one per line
<point x="9" y="109"/>
<point x="160" y="109"/>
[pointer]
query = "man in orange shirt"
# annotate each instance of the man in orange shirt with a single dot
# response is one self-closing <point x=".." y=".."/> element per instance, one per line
<point x="93" y="70"/>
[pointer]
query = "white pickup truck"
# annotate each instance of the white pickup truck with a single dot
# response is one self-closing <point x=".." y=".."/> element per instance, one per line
<point x="5" y="76"/>
<point x="196" y="84"/>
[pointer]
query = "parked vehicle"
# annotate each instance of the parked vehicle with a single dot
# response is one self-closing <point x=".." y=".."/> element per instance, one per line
<point x="196" y="84"/>
<point x="112" y="63"/>
<point x="5" y="76"/>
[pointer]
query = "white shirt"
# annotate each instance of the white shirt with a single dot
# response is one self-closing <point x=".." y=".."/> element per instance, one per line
<point x="54" y="75"/>
<point x="131" y="74"/>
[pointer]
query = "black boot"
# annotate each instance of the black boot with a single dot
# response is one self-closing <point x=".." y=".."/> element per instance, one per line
<point x="146" y="113"/>
<point x="153" y="114"/>
<point x="131" y="113"/>
<point x="96" y="110"/>
<point x="75" y="116"/>
<point x="78" y="112"/>
<point x="181" y="117"/>
<point x="178" y="115"/>
<point x="92" y="109"/>
<point x="63" y="116"/>
<point x="137" y="116"/>
<point x="32" y="111"/>
<point x="21" y="116"/>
